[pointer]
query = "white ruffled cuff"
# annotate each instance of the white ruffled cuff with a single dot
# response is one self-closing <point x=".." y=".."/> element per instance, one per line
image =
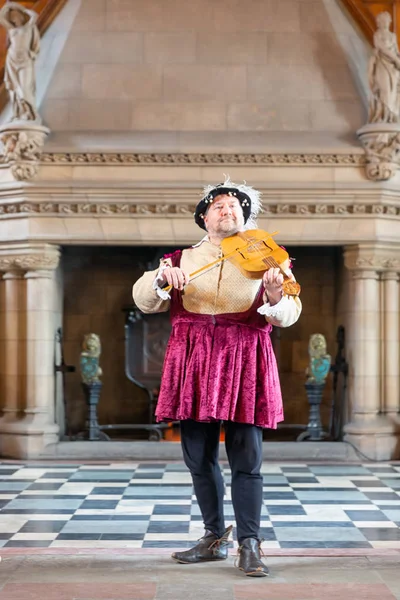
<point x="160" y="292"/>
<point x="277" y="311"/>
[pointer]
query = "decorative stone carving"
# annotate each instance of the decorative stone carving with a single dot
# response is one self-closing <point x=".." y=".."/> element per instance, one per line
<point x="303" y="209"/>
<point x="36" y="262"/>
<point x="23" y="145"/>
<point x="283" y="209"/>
<point x="204" y="159"/>
<point x="378" y="258"/>
<point x="145" y="209"/>
<point x="6" y="264"/>
<point x="85" y="208"/>
<point x="29" y="258"/>
<point x="381" y="136"/>
<point x="162" y="208"/>
<point x="47" y="207"/>
<point x="153" y="209"/>
<point x="68" y="209"/>
<point x="340" y="209"/>
<point x="24" y="137"/>
<point x="185" y="209"/>
<point x="382" y="148"/>
<point x="106" y="209"/>
<point x="122" y="208"/>
<point x="360" y="209"/>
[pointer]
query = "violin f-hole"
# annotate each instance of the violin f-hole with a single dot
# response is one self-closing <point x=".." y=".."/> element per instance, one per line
<point x="265" y="244"/>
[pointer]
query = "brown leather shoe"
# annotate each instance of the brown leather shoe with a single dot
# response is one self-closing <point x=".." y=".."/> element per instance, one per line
<point x="210" y="547"/>
<point x="250" y="559"/>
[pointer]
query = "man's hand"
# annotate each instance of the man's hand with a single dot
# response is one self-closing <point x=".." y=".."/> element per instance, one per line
<point x="273" y="280"/>
<point x="175" y="277"/>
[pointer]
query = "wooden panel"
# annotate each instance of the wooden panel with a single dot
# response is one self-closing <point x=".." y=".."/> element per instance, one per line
<point x="365" y="11"/>
<point x="47" y="11"/>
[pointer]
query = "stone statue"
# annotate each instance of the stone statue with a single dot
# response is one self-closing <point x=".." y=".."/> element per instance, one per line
<point x="24" y="45"/>
<point x="320" y="361"/>
<point x="90" y="356"/>
<point x="384" y="74"/>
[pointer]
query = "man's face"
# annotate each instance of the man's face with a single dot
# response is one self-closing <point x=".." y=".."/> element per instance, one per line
<point x="224" y="216"/>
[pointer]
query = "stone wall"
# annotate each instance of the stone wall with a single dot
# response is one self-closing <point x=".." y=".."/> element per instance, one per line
<point x="97" y="284"/>
<point x="231" y="65"/>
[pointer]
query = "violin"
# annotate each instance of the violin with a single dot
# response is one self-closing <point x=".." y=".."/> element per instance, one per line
<point x="253" y="252"/>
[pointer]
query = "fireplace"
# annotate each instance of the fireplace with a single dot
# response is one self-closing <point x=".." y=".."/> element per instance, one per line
<point x="97" y="284"/>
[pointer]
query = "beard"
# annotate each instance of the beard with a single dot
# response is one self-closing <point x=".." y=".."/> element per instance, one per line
<point x="228" y="226"/>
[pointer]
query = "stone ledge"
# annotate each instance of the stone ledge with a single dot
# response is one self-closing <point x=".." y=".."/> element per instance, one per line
<point x="204" y="142"/>
<point x="272" y="451"/>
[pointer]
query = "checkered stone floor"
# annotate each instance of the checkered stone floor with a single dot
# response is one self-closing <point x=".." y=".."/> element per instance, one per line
<point x="152" y="505"/>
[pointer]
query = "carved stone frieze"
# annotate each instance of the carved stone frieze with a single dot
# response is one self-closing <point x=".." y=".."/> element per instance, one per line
<point x="29" y="258"/>
<point x="153" y="209"/>
<point x="34" y="262"/>
<point x="360" y="209"/>
<point x="376" y="258"/>
<point x="303" y="209"/>
<point x="202" y="159"/>
<point x="340" y="209"/>
<point x="378" y="263"/>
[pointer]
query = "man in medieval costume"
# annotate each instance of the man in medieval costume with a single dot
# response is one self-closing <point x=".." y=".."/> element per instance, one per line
<point x="220" y="367"/>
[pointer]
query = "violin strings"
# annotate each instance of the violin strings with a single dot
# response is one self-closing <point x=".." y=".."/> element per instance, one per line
<point x="255" y="246"/>
<point x="270" y="262"/>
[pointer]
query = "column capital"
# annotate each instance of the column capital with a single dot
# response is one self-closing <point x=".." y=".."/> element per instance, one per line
<point x="372" y="258"/>
<point x="29" y="257"/>
<point x="391" y="275"/>
<point x="9" y="275"/>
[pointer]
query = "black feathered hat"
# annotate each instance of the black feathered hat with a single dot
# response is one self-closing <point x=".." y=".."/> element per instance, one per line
<point x="249" y="200"/>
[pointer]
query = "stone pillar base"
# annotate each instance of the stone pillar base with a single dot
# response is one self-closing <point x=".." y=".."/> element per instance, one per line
<point x="378" y="439"/>
<point x="26" y="438"/>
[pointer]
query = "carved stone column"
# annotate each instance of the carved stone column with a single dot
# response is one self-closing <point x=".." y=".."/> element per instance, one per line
<point x="369" y="428"/>
<point x="391" y="343"/>
<point x="28" y="422"/>
<point x="13" y="333"/>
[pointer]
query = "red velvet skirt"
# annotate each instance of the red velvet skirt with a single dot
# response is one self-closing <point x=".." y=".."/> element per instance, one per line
<point x="220" y="367"/>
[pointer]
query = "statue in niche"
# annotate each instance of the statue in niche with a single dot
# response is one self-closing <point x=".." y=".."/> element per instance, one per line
<point x="320" y="361"/>
<point x="384" y="74"/>
<point x="24" y="45"/>
<point x="90" y="357"/>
